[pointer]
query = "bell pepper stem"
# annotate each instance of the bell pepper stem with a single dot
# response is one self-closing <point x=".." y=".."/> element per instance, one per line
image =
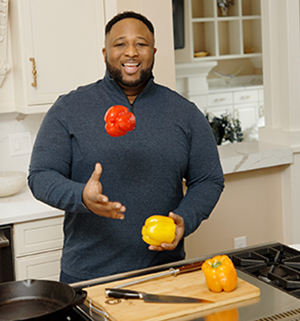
<point x="216" y="264"/>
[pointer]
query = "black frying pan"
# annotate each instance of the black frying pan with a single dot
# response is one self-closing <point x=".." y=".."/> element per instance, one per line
<point x="37" y="299"/>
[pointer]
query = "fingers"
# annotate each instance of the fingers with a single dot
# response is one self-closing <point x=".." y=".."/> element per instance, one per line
<point x="113" y="210"/>
<point x="96" y="173"/>
<point x="98" y="203"/>
<point x="177" y="219"/>
<point x="108" y="209"/>
<point x="179" y="232"/>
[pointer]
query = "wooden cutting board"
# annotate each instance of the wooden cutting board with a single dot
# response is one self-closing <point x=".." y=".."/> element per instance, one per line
<point x="190" y="284"/>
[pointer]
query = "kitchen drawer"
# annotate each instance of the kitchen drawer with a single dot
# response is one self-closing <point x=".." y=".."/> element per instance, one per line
<point x="39" y="266"/>
<point x="219" y="99"/>
<point x="38" y="236"/>
<point x="245" y="96"/>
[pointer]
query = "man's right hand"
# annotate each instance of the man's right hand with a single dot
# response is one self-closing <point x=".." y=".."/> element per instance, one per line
<point x="98" y="203"/>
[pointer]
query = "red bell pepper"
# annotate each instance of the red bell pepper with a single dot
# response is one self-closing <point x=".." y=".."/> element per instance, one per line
<point x="119" y="121"/>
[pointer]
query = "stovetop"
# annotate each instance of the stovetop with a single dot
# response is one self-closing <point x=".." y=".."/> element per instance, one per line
<point x="278" y="265"/>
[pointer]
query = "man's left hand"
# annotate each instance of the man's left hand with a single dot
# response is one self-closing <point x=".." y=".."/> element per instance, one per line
<point x="179" y="221"/>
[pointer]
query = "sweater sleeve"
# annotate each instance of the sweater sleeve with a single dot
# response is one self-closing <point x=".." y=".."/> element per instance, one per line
<point x="204" y="176"/>
<point x="50" y="167"/>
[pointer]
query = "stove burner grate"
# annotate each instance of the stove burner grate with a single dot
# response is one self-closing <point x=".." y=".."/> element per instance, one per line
<point x="277" y="265"/>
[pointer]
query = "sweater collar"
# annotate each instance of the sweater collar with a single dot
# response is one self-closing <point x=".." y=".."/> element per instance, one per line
<point x="112" y="84"/>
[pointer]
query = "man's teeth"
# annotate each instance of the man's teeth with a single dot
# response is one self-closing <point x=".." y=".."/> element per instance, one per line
<point x="131" y="64"/>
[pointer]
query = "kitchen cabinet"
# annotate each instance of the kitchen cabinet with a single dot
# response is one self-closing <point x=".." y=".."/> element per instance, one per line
<point x="247" y="114"/>
<point x="37" y="248"/>
<point x="237" y="35"/>
<point x="245" y="105"/>
<point x="56" y="46"/>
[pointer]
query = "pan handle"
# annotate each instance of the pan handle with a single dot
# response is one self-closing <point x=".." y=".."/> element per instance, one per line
<point x="80" y="296"/>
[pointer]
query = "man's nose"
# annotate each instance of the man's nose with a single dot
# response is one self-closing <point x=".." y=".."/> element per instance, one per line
<point x="131" y="50"/>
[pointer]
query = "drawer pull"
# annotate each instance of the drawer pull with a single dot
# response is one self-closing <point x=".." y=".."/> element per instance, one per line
<point x="33" y="71"/>
<point x="245" y="97"/>
<point x="219" y="99"/>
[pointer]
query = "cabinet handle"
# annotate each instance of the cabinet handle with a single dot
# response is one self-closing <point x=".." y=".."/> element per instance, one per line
<point x="245" y="97"/>
<point x="219" y="99"/>
<point x="261" y="111"/>
<point x="236" y="114"/>
<point x="3" y="240"/>
<point x="33" y="71"/>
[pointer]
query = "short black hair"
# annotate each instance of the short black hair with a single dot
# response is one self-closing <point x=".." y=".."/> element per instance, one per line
<point x="128" y="14"/>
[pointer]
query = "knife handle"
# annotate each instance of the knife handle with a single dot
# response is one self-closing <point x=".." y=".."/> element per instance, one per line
<point x="122" y="294"/>
<point x="190" y="267"/>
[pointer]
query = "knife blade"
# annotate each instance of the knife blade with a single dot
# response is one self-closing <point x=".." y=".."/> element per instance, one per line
<point x="149" y="297"/>
<point x="181" y="269"/>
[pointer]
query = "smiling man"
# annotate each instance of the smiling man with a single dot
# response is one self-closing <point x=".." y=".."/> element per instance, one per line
<point x="108" y="186"/>
<point x="129" y="53"/>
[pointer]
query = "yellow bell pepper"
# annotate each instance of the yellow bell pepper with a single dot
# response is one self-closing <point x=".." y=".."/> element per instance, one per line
<point x="220" y="274"/>
<point x="158" y="229"/>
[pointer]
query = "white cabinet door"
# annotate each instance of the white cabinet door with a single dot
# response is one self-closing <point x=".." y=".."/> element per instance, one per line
<point x="56" y="47"/>
<point x="247" y="114"/>
<point x="40" y="266"/>
<point x="38" y="248"/>
<point x="38" y="236"/>
<point x="246" y="105"/>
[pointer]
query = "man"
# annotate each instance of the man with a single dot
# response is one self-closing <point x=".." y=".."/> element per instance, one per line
<point x="108" y="186"/>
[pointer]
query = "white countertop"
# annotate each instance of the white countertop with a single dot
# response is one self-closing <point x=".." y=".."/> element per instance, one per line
<point x="252" y="82"/>
<point x="248" y="156"/>
<point x="235" y="158"/>
<point x="23" y="207"/>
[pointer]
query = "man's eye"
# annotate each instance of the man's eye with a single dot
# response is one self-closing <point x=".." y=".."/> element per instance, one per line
<point x="119" y="44"/>
<point x="142" y="44"/>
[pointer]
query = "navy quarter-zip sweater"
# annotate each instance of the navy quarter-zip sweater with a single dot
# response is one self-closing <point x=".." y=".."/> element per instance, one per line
<point x="143" y="170"/>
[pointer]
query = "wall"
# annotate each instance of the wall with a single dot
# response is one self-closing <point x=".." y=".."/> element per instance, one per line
<point x="250" y="205"/>
<point x="14" y="123"/>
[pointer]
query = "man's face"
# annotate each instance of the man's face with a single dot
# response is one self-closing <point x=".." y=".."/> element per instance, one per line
<point x="129" y="53"/>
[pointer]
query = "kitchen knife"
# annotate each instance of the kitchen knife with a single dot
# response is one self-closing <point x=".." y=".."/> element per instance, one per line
<point x="184" y="268"/>
<point x="148" y="297"/>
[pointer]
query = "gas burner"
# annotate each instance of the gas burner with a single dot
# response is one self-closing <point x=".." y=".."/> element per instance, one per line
<point x="286" y="277"/>
<point x="277" y="265"/>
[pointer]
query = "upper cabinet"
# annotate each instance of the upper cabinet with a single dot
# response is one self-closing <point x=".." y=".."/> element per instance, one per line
<point x="56" y="46"/>
<point x="225" y="34"/>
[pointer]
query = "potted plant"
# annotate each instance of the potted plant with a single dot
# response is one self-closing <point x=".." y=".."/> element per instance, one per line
<point x="225" y="128"/>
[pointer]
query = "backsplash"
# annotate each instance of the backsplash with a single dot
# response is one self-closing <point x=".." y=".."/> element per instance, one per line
<point x="12" y="123"/>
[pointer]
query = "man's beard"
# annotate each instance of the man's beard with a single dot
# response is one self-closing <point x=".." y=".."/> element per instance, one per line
<point x="116" y="74"/>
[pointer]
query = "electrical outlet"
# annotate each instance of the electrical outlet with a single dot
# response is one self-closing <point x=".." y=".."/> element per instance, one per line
<point x="20" y="143"/>
<point x="240" y="242"/>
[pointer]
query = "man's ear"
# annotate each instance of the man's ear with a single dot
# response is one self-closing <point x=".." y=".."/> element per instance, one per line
<point x="104" y="53"/>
